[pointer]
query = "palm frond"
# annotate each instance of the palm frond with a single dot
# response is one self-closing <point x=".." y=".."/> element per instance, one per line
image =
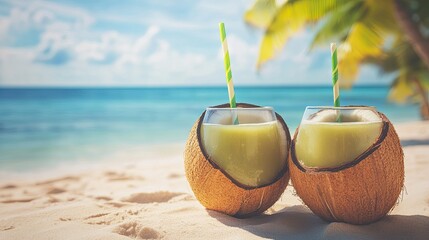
<point x="423" y="76"/>
<point x="362" y="42"/>
<point x="339" y="22"/>
<point x="261" y="13"/>
<point x="381" y="15"/>
<point x="401" y="90"/>
<point x="404" y="86"/>
<point x="291" y="17"/>
<point x="366" y="39"/>
<point x="387" y="64"/>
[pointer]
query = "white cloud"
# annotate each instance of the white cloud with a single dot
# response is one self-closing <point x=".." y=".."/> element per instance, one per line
<point x="66" y="49"/>
<point x="143" y="42"/>
<point x="13" y="53"/>
<point x="161" y="20"/>
<point x="132" y="52"/>
<point x="104" y="50"/>
<point x="242" y="53"/>
<point x="117" y="49"/>
<point x="176" y="62"/>
<point x="85" y="57"/>
<point x="43" y="17"/>
<point x="168" y="48"/>
<point x="54" y="48"/>
<point x="120" y="59"/>
<point x="29" y="20"/>
<point x="226" y="8"/>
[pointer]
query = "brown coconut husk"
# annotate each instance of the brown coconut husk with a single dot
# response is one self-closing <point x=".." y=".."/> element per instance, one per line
<point x="359" y="192"/>
<point x="218" y="191"/>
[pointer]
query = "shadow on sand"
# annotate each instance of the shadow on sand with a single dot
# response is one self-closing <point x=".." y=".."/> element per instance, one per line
<point x="414" y="142"/>
<point x="298" y="222"/>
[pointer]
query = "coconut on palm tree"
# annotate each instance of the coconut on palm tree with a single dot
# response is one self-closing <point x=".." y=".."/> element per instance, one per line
<point x="392" y="34"/>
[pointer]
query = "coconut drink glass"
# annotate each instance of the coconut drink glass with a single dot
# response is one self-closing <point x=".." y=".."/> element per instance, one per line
<point x="347" y="163"/>
<point x="236" y="154"/>
<point x="238" y="169"/>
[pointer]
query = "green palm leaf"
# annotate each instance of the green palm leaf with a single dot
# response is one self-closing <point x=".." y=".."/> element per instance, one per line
<point x="290" y="18"/>
<point x="401" y="90"/>
<point x="261" y="13"/>
<point x="368" y="32"/>
<point x="339" y="22"/>
<point x="366" y="39"/>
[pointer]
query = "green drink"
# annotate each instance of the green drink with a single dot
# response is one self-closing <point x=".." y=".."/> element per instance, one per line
<point x="253" y="152"/>
<point x="324" y="142"/>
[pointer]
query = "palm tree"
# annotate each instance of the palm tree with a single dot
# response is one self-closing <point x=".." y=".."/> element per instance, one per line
<point x="389" y="34"/>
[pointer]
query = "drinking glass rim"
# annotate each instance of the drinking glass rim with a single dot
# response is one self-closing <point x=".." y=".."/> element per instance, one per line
<point x="311" y="111"/>
<point x="241" y="109"/>
<point x="342" y="107"/>
<point x="214" y="115"/>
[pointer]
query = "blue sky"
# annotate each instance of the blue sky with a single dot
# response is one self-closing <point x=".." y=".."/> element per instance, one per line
<point x="145" y="43"/>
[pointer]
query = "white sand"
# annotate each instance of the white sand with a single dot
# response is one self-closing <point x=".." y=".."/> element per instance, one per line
<point x="148" y="197"/>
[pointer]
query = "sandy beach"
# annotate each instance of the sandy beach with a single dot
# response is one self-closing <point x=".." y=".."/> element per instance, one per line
<point x="146" y="196"/>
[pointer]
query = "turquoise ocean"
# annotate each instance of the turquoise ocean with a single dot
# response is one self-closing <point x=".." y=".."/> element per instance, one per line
<point x="47" y="126"/>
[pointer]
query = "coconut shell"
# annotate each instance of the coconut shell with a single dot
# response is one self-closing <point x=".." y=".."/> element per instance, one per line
<point x="216" y="190"/>
<point x="359" y="192"/>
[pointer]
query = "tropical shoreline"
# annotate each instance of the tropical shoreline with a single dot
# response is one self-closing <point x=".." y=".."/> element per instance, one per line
<point x="150" y="199"/>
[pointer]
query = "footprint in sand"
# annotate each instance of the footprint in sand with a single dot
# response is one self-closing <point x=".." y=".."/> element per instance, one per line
<point x="5" y="195"/>
<point x="155" y="197"/>
<point x="8" y="186"/>
<point x="55" y="190"/>
<point x="115" y="176"/>
<point x="52" y="200"/>
<point x="184" y="197"/>
<point x="175" y="175"/>
<point x="95" y="219"/>
<point x="117" y="204"/>
<point x="135" y="230"/>
<point x="5" y="228"/>
<point x="104" y="198"/>
<point x="96" y="216"/>
<point x="18" y="200"/>
<point x="68" y="178"/>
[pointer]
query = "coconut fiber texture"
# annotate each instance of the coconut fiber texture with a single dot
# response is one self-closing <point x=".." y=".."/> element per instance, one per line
<point x="359" y="192"/>
<point x="217" y="191"/>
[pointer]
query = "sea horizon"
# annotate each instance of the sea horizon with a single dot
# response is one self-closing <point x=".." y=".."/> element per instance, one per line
<point x="46" y="126"/>
<point x="365" y="85"/>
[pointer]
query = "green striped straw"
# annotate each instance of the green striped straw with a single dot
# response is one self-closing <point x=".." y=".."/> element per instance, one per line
<point x="228" y="72"/>
<point x="335" y="83"/>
